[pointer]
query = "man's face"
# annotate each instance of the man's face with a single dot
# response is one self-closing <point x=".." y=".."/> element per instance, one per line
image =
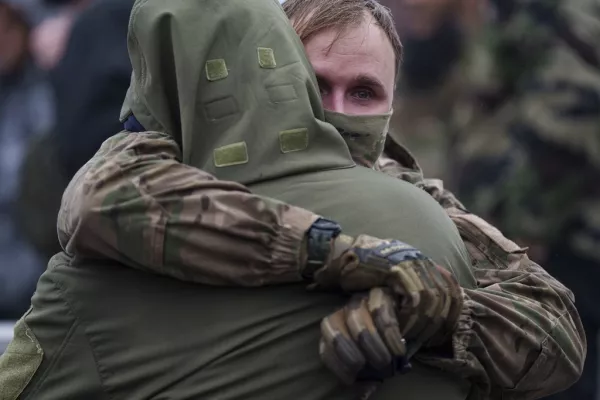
<point x="356" y="70"/>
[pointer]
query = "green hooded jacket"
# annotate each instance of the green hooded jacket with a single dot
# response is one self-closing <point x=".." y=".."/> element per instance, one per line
<point x="230" y="81"/>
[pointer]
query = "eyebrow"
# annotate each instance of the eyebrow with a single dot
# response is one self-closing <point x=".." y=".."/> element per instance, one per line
<point x="369" y="80"/>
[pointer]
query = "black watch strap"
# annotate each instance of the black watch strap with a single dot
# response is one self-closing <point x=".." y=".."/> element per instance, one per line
<point x="319" y="238"/>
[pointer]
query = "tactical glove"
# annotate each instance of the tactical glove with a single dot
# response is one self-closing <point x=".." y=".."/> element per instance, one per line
<point x="363" y="341"/>
<point x="428" y="297"/>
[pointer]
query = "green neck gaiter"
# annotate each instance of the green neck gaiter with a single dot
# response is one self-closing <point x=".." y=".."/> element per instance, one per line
<point x="364" y="134"/>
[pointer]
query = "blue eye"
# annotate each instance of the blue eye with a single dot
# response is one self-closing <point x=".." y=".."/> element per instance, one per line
<point x="363" y="94"/>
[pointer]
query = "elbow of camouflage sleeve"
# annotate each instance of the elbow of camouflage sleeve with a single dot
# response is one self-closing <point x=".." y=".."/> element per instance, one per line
<point x="79" y="201"/>
<point x="553" y="363"/>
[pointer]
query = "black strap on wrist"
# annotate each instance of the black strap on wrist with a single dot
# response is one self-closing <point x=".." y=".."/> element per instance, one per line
<point x="319" y="237"/>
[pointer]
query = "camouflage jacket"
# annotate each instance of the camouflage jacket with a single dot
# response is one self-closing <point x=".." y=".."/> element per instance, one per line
<point x="519" y="336"/>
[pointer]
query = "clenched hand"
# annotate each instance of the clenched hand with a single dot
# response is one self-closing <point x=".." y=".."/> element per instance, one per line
<point x="414" y="298"/>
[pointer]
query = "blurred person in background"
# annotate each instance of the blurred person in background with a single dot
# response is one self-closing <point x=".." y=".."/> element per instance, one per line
<point x="49" y="38"/>
<point x="26" y="109"/>
<point x="436" y="36"/>
<point x="509" y="116"/>
<point x="89" y="84"/>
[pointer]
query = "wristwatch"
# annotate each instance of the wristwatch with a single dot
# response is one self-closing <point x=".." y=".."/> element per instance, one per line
<point x="319" y="237"/>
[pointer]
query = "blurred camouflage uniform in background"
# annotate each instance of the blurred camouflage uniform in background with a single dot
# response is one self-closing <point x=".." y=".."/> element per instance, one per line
<point x="512" y="124"/>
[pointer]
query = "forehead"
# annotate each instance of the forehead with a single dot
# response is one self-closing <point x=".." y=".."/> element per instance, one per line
<point x="363" y="49"/>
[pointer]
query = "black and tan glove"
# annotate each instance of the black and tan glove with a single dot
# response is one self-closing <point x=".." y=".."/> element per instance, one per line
<point x="363" y="340"/>
<point x="426" y="298"/>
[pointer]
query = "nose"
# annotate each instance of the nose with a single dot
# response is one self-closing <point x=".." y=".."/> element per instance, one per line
<point x="335" y="100"/>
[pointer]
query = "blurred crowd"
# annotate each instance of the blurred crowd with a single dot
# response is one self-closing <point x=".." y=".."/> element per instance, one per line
<point x="64" y="70"/>
<point x="498" y="98"/>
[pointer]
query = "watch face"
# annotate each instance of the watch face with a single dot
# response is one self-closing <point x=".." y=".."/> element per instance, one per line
<point x="324" y="224"/>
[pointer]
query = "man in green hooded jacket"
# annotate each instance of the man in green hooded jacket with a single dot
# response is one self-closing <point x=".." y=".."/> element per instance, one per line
<point x="228" y="157"/>
<point x="63" y="347"/>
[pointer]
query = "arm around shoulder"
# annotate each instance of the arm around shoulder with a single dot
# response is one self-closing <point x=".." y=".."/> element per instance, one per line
<point x="136" y="203"/>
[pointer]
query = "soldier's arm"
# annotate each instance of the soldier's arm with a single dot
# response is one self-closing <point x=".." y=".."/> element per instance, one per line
<point x="399" y="163"/>
<point x="519" y="336"/>
<point x="135" y="202"/>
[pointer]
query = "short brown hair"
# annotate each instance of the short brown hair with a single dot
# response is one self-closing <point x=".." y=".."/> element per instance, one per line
<point x="310" y="17"/>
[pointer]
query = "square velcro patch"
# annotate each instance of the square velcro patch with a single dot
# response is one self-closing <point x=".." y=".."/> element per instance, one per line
<point x="216" y="70"/>
<point x="220" y="108"/>
<point x="232" y="154"/>
<point x="20" y="361"/>
<point x="282" y="93"/>
<point x="293" y="140"/>
<point x="266" y="57"/>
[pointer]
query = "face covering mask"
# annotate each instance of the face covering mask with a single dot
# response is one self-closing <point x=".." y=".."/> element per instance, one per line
<point x="364" y="134"/>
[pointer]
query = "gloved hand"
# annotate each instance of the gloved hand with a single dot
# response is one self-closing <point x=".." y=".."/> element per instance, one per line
<point x="363" y="340"/>
<point x="428" y="298"/>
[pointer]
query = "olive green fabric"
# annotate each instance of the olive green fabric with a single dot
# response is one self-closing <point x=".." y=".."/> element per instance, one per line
<point x="402" y="212"/>
<point x="68" y="369"/>
<point x="220" y="76"/>
<point x="364" y="134"/>
<point x="155" y="337"/>
<point x="230" y="81"/>
<point x="20" y="361"/>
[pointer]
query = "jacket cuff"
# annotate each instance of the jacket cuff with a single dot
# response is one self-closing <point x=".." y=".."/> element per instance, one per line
<point x="287" y="250"/>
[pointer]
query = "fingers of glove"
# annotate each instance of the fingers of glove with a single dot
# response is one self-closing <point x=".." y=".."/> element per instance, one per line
<point x="364" y="332"/>
<point x="337" y="349"/>
<point x="449" y="291"/>
<point x="407" y="319"/>
<point x="443" y="279"/>
<point x="411" y="282"/>
<point x="434" y="301"/>
<point x="433" y="289"/>
<point x="428" y="326"/>
<point x="455" y="299"/>
<point x="452" y="308"/>
<point x="382" y="307"/>
<point x="329" y="357"/>
<point x="404" y="282"/>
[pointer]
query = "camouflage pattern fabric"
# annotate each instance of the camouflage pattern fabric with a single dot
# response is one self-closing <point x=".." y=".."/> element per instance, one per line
<point x="121" y="203"/>
<point x="421" y="302"/>
<point x="136" y="202"/>
<point x="156" y="197"/>
<point x="365" y="135"/>
<point x="367" y="324"/>
<point x="429" y="297"/>
<point x="496" y="261"/>
<point x="516" y="132"/>
<point x="527" y="119"/>
<point x="550" y="130"/>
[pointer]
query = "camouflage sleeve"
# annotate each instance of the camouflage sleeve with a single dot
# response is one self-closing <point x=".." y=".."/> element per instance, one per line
<point x="136" y="203"/>
<point x="519" y="336"/>
<point x="398" y="162"/>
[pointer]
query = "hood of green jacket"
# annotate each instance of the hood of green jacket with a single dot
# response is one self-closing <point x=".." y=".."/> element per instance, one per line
<point x="230" y="81"/>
